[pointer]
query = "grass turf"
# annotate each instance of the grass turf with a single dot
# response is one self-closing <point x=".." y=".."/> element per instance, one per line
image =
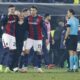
<point x="49" y="74"/>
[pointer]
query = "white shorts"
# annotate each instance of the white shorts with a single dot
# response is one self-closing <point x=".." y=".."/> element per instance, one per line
<point x="36" y="44"/>
<point x="8" y="41"/>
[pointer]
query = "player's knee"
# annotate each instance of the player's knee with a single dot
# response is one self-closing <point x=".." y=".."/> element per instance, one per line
<point x="26" y="51"/>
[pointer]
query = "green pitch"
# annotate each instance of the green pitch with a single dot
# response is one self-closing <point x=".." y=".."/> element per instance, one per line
<point x="49" y="74"/>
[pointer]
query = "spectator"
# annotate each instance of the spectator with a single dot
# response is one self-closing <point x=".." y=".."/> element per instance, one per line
<point x="56" y="46"/>
<point x="46" y="49"/>
<point x="62" y="54"/>
<point x="51" y="54"/>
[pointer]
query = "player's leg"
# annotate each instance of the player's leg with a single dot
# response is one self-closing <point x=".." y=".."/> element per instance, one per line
<point x="38" y="54"/>
<point x="3" y="53"/>
<point x="12" y="47"/>
<point x="75" y="54"/>
<point x="71" y="60"/>
<point x="45" y="50"/>
<point x="5" y="43"/>
<point x="21" y="58"/>
<point x="24" y="55"/>
<point x="17" y="56"/>
<point x="2" y="57"/>
<point x="75" y="61"/>
<point x="69" y="44"/>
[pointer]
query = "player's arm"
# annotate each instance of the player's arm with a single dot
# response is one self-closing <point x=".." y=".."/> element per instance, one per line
<point x="68" y="29"/>
<point x="4" y="20"/>
<point x="17" y="18"/>
<point x="68" y="25"/>
<point x="26" y="28"/>
<point x="26" y="24"/>
<point x="67" y="32"/>
<point x="44" y="29"/>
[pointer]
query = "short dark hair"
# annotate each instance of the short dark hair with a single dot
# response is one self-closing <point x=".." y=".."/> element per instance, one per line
<point x="25" y="9"/>
<point x="46" y="15"/>
<point x="34" y="7"/>
<point x="10" y="6"/>
<point x="72" y="11"/>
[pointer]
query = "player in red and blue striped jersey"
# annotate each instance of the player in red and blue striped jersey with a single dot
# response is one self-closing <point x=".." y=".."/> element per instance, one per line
<point x="8" y="37"/>
<point x="36" y="30"/>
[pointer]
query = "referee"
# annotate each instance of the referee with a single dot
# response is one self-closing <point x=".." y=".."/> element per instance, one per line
<point x="71" y="37"/>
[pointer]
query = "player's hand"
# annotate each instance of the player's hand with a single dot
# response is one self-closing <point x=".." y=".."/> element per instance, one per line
<point x="47" y="41"/>
<point x="53" y="41"/>
<point x="2" y="27"/>
<point x="64" y="42"/>
<point x="9" y="13"/>
<point x="17" y="13"/>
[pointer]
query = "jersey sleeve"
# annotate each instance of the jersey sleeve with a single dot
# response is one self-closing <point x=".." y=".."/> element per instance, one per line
<point x="26" y="24"/>
<point x="69" y="23"/>
<point x="44" y="29"/>
<point x="4" y="20"/>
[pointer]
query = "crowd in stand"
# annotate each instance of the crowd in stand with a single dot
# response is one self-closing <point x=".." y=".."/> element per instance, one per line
<point x="44" y="1"/>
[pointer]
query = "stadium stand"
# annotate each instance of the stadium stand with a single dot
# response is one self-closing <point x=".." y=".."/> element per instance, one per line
<point x="44" y="1"/>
